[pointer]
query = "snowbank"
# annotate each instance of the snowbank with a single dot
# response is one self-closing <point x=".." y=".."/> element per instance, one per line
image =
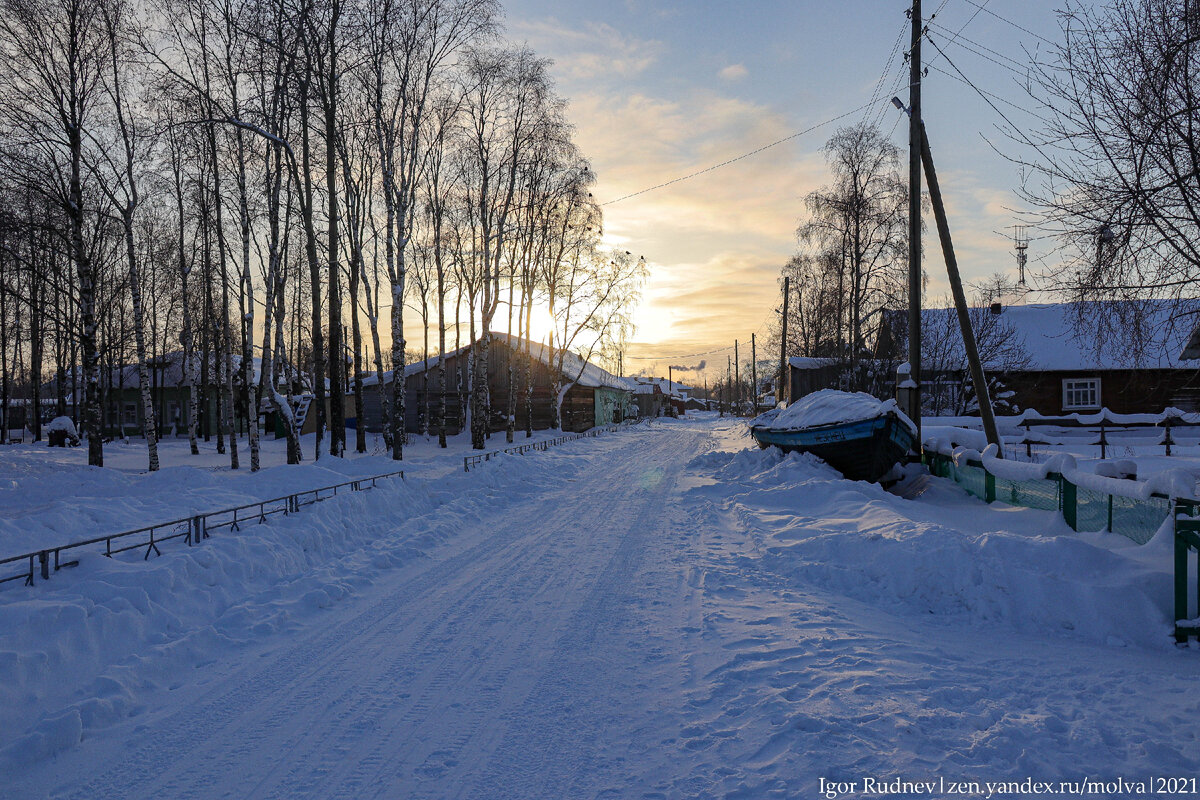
<point x="948" y="554"/>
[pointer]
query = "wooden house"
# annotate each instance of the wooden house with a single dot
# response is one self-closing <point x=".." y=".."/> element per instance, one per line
<point x="121" y="403"/>
<point x="594" y="397"/>
<point x="1055" y="362"/>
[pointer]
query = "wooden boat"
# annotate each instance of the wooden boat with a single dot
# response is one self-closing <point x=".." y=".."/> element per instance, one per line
<point x="862" y="449"/>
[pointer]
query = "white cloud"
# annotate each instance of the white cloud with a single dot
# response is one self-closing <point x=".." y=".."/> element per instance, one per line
<point x="734" y="72"/>
<point x="597" y="49"/>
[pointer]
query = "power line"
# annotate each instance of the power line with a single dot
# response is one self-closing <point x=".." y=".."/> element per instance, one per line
<point x="887" y="65"/>
<point x="697" y="173"/>
<point x="987" y="100"/>
<point x="992" y="95"/>
<point x="678" y="358"/>
<point x="963" y="27"/>
<point x="984" y="47"/>
<point x="1009" y="21"/>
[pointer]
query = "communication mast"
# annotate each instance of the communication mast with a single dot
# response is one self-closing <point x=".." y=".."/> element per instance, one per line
<point x="1021" y="243"/>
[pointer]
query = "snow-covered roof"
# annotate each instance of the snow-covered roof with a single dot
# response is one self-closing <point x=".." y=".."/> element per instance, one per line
<point x="575" y="368"/>
<point x="414" y="368"/>
<point x="1054" y="345"/>
<point x="167" y="370"/>
<point x="673" y="388"/>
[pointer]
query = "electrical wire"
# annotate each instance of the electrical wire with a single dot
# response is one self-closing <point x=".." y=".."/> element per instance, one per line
<point x="1009" y="21"/>
<point x="887" y="65"/>
<point x="987" y="100"/>
<point x="735" y="159"/>
<point x="992" y="95"/>
<point x="963" y="27"/>
<point x="1012" y="61"/>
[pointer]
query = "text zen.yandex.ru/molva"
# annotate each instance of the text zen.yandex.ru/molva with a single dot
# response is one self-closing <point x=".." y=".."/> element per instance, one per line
<point x="1028" y="787"/>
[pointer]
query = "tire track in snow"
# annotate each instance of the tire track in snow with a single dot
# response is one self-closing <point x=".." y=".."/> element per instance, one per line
<point x="299" y="665"/>
<point x="436" y="636"/>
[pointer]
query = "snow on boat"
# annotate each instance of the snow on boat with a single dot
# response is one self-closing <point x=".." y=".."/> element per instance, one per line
<point x="857" y="434"/>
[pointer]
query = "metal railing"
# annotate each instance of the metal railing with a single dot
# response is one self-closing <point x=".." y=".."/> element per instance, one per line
<point x="479" y="458"/>
<point x="192" y="529"/>
<point x="1187" y="548"/>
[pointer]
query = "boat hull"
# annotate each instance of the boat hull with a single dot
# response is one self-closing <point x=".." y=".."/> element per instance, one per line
<point x="864" y="450"/>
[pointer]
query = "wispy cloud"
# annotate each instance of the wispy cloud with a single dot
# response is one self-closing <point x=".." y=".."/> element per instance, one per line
<point x="594" y="50"/>
<point x="734" y="72"/>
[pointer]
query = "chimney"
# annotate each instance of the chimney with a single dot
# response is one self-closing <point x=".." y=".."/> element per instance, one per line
<point x="997" y="308"/>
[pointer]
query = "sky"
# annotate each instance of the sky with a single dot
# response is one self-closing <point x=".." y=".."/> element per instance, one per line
<point x="660" y="89"/>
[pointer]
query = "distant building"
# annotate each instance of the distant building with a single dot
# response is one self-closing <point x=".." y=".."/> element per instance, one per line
<point x="121" y="402"/>
<point x="595" y="396"/>
<point x="663" y="396"/>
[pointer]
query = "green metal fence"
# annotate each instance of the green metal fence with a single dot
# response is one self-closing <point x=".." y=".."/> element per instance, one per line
<point x="1187" y="551"/>
<point x="1086" y="509"/>
<point x="1083" y="509"/>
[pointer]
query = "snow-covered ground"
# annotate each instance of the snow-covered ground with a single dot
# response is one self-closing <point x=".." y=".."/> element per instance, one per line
<point x="50" y="496"/>
<point x="661" y="612"/>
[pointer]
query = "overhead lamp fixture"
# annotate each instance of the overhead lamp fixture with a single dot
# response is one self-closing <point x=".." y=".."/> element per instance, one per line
<point x="900" y="106"/>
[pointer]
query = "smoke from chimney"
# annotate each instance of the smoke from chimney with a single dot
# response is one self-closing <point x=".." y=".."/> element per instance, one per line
<point x="697" y="368"/>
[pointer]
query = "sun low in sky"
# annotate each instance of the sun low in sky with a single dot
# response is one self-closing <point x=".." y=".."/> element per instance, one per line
<point x="660" y="90"/>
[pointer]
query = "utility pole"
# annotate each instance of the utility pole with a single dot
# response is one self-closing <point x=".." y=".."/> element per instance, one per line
<point x="782" y="388"/>
<point x="670" y="389"/>
<point x="737" y="379"/>
<point x="960" y="300"/>
<point x="753" y="375"/>
<point x="720" y="398"/>
<point x="915" y="136"/>
<point x="729" y="384"/>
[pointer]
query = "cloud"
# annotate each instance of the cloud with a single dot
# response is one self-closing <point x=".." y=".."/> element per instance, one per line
<point x="594" y="50"/>
<point x="734" y="72"/>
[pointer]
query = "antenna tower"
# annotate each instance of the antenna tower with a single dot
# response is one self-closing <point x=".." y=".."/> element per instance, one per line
<point x="1021" y="243"/>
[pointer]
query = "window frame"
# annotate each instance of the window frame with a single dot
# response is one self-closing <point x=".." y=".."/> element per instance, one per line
<point x="1074" y="386"/>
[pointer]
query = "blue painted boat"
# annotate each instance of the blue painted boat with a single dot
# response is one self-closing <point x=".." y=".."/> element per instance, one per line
<point x="862" y="450"/>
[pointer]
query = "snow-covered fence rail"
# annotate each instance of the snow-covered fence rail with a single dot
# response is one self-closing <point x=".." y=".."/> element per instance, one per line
<point x="1087" y="502"/>
<point x="193" y="529"/>
<point x="479" y="458"/>
<point x="1114" y="502"/>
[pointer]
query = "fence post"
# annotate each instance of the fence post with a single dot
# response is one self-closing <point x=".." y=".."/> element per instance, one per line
<point x="44" y="561"/>
<point x="1181" y="565"/>
<point x="989" y="486"/>
<point x="1167" y="435"/>
<point x="1070" y="503"/>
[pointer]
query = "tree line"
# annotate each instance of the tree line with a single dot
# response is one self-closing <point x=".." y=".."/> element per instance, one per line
<point x="266" y="186"/>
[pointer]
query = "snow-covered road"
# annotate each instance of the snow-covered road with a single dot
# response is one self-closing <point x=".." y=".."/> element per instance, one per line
<point x="658" y="613"/>
<point x="513" y="662"/>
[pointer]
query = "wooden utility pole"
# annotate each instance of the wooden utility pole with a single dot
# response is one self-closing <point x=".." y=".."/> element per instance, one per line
<point x="670" y="389"/>
<point x="753" y="375"/>
<point x="781" y="387"/>
<point x="729" y="384"/>
<point x="914" y="218"/>
<point x="737" y="380"/>
<point x="960" y="300"/>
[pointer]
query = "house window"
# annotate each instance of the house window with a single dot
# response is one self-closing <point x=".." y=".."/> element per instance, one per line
<point x="1081" y="393"/>
<point x="131" y="417"/>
